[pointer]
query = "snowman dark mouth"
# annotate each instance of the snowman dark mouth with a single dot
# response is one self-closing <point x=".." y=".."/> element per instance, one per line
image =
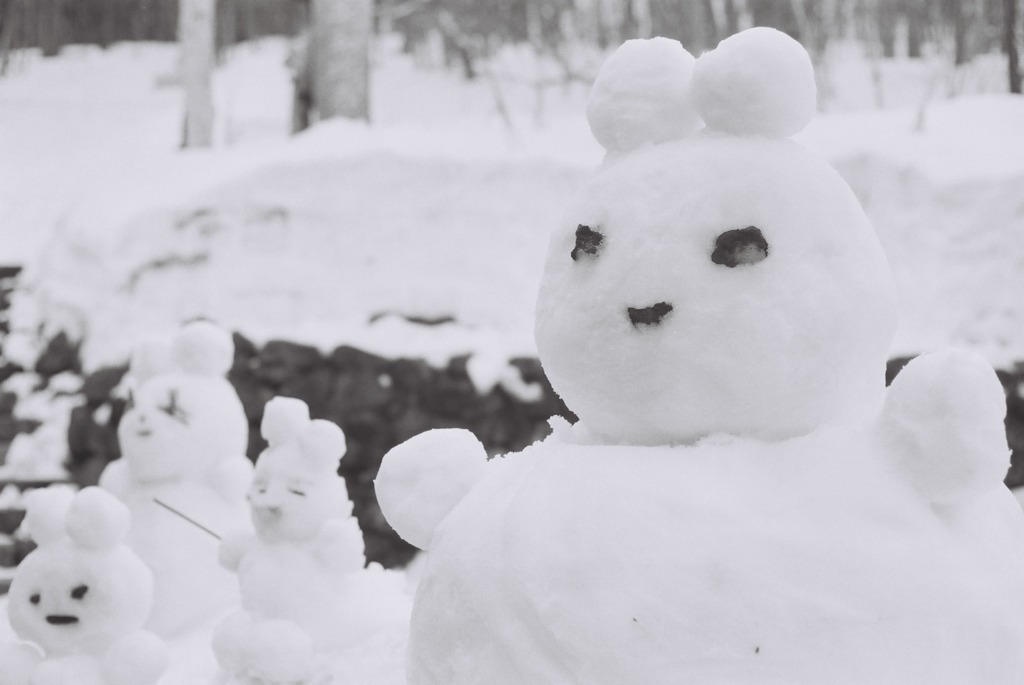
<point x="61" y="620"/>
<point x="649" y="316"/>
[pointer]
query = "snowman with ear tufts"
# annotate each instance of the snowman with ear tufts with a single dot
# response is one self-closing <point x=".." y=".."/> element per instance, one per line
<point x="183" y="439"/>
<point x="309" y="608"/>
<point x="742" y="500"/>
<point x="80" y="599"/>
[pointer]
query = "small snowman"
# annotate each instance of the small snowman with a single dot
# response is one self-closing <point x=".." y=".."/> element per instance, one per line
<point x="306" y="596"/>
<point x="81" y="598"/>
<point x="742" y="500"/>
<point x="183" y="439"/>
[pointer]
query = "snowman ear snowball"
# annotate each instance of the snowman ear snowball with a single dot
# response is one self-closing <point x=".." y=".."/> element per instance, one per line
<point x="756" y="82"/>
<point x="642" y="95"/>
<point x="97" y="519"/>
<point x="284" y="419"/>
<point x="324" y="443"/>
<point x="204" y="348"/>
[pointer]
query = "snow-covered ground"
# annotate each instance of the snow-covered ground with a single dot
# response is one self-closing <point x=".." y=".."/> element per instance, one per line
<point x="439" y="208"/>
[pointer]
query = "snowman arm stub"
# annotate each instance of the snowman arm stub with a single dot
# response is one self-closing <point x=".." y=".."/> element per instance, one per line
<point x="116" y="479"/>
<point x="943" y="419"/>
<point x="424" y="478"/>
<point x="17" y="662"/>
<point x="139" y="658"/>
<point x="231" y="478"/>
<point x="233" y="548"/>
<point x="339" y="545"/>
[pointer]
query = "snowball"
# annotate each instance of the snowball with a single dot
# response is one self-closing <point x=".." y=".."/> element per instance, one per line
<point x="422" y="479"/>
<point x="757" y="82"/>
<point x="202" y="347"/>
<point x="944" y="412"/>
<point x="283" y="419"/>
<point x="642" y="95"/>
<point x="45" y="510"/>
<point x="771" y="349"/>
<point x="324" y="443"/>
<point x="97" y="520"/>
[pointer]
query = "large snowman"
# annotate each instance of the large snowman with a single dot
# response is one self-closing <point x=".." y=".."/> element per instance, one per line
<point x="742" y="501"/>
<point x="183" y="439"/>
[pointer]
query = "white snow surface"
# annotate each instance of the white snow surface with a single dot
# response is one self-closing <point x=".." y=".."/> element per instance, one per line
<point x="440" y="209"/>
<point x="437" y="209"/>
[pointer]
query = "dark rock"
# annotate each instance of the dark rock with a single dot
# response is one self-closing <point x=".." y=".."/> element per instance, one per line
<point x="61" y="354"/>
<point x="7" y="402"/>
<point x="99" y="385"/>
<point x="9" y="271"/>
<point x="8" y="369"/>
<point x="280" y="360"/>
<point x="349" y="359"/>
<point x="359" y="390"/>
<point x="314" y="387"/>
<point x="410" y="376"/>
<point x="244" y="348"/>
<point x="894" y="366"/>
<point x="452" y="394"/>
<point x="11" y="427"/>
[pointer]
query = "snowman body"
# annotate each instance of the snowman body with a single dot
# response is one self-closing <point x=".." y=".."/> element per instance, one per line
<point x="183" y="439"/>
<point x="739" y="562"/>
<point x="82" y="597"/>
<point x="742" y="499"/>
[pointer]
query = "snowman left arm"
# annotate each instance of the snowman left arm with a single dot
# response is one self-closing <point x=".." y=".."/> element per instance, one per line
<point x="231" y="478"/>
<point x="139" y="658"/>
<point x="339" y="545"/>
<point x="943" y="424"/>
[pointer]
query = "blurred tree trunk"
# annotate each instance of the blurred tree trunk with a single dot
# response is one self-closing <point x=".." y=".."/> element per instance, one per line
<point x="917" y="20"/>
<point x="196" y="38"/>
<point x="340" y="57"/>
<point x="1010" y="43"/>
<point x="778" y="14"/>
<point x="886" y="16"/>
<point x="956" y="14"/>
<point x="732" y="18"/>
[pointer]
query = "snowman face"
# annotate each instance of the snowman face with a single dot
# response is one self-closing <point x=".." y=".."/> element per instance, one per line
<point x="290" y="499"/>
<point x="179" y="425"/>
<point x="715" y="285"/>
<point x="69" y="600"/>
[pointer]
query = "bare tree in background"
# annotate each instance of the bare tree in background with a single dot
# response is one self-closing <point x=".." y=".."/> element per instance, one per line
<point x="1010" y="43"/>
<point x="196" y="38"/>
<point x="339" y="57"/>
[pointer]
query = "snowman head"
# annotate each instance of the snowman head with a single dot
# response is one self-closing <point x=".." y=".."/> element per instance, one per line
<point x="81" y="589"/>
<point x="296" y="487"/>
<point x="715" y="280"/>
<point x="184" y="417"/>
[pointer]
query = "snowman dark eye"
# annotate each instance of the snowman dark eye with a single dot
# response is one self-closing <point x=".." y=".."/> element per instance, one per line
<point x="35" y="598"/>
<point x="588" y="241"/>
<point x="79" y="591"/>
<point x="740" y="246"/>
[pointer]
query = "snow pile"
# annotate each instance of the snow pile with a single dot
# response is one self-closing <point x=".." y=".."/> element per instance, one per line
<point x="82" y="597"/>
<point x="183" y="439"/>
<point x="721" y="513"/>
<point x="307" y="601"/>
<point x="294" y="239"/>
